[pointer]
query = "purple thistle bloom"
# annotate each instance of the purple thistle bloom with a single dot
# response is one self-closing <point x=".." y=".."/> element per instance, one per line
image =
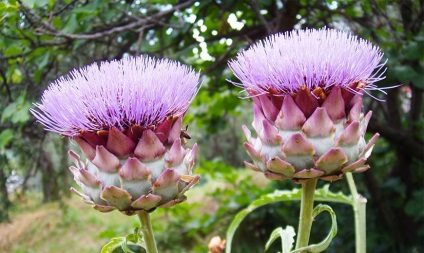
<point x="126" y="116"/>
<point x="311" y="58"/>
<point x="135" y="91"/>
<point x="307" y="90"/>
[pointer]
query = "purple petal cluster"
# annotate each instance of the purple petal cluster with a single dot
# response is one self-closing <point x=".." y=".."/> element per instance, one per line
<point x="133" y="91"/>
<point x="310" y="58"/>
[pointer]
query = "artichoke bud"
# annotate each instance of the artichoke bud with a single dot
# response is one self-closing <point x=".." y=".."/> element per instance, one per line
<point x="304" y="135"/>
<point x="134" y="172"/>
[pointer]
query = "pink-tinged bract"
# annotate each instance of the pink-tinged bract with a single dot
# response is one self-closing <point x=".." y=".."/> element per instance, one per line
<point x="133" y="91"/>
<point x="286" y="62"/>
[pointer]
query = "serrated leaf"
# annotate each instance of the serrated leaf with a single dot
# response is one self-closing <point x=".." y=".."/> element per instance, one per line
<point x="287" y="238"/>
<point x="113" y="244"/>
<point x="323" y="194"/>
<point x="323" y="245"/>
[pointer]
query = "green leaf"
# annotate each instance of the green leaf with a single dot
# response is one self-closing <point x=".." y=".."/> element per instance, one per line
<point x="112" y="245"/>
<point x="29" y="3"/>
<point x="412" y="51"/>
<point x="7" y="112"/>
<point x="21" y="114"/>
<point x="123" y="242"/>
<point x="71" y="24"/>
<point x="323" y="194"/>
<point x="57" y="22"/>
<point x="124" y="247"/>
<point x="43" y="60"/>
<point x="16" y="76"/>
<point x="17" y="112"/>
<point x="405" y="74"/>
<point x="5" y="137"/>
<point x="12" y="50"/>
<point x="287" y="238"/>
<point x="320" y="247"/>
<point x="40" y="3"/>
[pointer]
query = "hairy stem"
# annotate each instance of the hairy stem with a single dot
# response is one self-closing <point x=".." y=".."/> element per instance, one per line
<point x="146" y="229"/>
<point x="306" y="208"/>
<point x="359" y="210"/>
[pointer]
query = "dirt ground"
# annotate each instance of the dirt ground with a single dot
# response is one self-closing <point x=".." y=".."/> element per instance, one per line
<point x="11" y="232"/>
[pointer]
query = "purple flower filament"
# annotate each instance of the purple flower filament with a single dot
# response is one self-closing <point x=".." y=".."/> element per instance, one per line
<point x="134" y="91"/>
<point x="322" y="58"/>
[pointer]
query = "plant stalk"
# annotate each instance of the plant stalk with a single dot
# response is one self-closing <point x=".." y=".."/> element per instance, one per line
<point x="305" y="217"/>
<point x="146" y="229"/>
<point x="359" y="210"/>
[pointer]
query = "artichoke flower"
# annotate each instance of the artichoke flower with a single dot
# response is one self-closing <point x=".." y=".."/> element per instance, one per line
<point x="126" y="117"/>
<point x="307" y="89"/>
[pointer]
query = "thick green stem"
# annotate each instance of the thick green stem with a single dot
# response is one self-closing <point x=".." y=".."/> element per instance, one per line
<point x="146" y="229"/>
<point x="306" y="208"/>
<point x="359" y="210"/>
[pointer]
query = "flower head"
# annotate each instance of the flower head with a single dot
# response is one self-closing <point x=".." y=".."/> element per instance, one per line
<point x="136" y="91"/>
<point x="126" y="116"/>
<point x="307" y="90"/>
<point x="287" y="62"/>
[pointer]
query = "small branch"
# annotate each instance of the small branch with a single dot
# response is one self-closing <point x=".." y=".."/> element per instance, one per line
<point x="132" y="25"/>
<point x="139" y="41"/>
<point x="377" y="10"/>
<point x="255" y="6"/>
<point x="65" y="8"/>
<point x="220" y="59"/>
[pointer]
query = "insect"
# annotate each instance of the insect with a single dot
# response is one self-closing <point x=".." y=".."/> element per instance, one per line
<point x="184" y="135"/>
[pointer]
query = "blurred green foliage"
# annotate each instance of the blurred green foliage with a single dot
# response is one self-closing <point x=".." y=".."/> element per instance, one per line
<point x="44" y="39"/>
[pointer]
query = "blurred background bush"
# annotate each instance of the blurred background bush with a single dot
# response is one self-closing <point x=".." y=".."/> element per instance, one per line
<point x="44" y="39"/>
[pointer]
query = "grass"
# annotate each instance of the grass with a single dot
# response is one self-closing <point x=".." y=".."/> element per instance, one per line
<point x="76" y="227"/>
<point x="50" y="228"/>
<point x="73" y="227"/>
